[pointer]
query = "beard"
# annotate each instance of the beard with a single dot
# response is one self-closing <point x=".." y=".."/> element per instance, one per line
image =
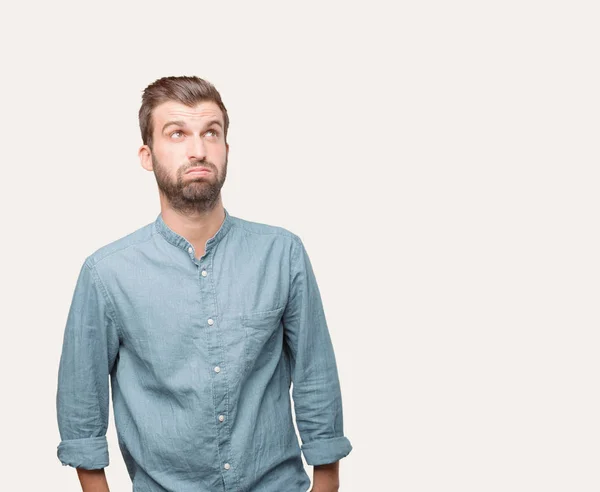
<point x="188" y="195"/>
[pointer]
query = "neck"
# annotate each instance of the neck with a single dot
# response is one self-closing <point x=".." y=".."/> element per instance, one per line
<point x="197" y="227"/>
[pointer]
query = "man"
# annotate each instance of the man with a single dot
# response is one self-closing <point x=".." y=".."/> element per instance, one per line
<point x="202" y="320"/>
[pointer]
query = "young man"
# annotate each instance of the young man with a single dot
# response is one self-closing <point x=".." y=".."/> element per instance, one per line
<point x="202" y="320"/>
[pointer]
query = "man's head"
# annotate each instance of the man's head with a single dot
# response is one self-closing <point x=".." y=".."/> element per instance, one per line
<point x="184" y="125"/>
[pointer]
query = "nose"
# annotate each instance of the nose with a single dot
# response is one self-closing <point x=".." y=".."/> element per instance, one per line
<point x="196" y="150"/>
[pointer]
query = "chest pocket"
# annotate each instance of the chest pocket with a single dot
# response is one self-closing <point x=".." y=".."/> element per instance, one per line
<point x="264" y="337"/>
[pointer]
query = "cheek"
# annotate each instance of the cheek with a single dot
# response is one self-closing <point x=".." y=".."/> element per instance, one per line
<point x="174" y="154"/>
<point x="170" y="159"/>
<point x="219" y="153"/>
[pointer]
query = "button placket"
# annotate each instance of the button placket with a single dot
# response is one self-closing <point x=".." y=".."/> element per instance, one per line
<point x="214" y="347"/>
<point x="215" y="350"/>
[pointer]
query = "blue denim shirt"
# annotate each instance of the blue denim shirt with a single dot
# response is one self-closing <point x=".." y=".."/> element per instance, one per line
<point x="201" y="354"/>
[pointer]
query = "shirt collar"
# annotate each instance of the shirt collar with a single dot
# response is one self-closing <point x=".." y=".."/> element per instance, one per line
<point x="182" y="243"/>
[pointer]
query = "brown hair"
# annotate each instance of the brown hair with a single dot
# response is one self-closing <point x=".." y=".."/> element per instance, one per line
<point x="186" y="90"/>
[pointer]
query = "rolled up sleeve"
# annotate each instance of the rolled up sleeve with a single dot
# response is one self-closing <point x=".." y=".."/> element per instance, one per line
<point x="89" y="351"/>
<point x="316" y="388"/>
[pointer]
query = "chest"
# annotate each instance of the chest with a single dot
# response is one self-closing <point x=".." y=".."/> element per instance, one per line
<point x="184" y="315"/>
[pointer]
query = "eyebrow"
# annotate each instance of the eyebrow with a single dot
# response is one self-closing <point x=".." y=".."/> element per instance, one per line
<point x="182" y="123"/>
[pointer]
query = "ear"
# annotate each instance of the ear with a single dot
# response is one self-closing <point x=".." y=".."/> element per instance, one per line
<point x="145" y="158"/>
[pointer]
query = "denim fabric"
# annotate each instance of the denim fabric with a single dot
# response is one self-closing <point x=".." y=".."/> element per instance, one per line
<point x="201" y="354"/>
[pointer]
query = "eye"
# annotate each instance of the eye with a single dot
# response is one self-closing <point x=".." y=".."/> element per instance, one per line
<point x="216" y="132"/>
<point x="174" y="134"/>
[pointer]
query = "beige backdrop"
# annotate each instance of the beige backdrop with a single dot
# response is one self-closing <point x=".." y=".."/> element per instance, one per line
<point x="440" y="162"/>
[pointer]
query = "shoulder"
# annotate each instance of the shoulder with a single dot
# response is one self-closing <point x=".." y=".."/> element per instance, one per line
<point x="122" y="245"/>
<point x="274" y="240"/>
<point x="258" y="229"/>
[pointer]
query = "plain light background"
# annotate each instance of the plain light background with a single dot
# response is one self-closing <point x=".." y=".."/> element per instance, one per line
<point x="438" y="159"/>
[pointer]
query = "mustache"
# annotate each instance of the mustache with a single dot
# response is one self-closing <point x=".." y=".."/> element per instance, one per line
<point x="206" y="164"/>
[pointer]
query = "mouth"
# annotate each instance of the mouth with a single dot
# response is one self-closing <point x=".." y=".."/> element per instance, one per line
<point x="197" y="171"/>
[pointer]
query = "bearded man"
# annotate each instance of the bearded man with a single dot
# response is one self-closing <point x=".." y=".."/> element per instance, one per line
<point x="202" y="322"/>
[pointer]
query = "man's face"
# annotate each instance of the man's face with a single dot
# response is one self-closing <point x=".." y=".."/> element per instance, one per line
<point x="184" y="138"/>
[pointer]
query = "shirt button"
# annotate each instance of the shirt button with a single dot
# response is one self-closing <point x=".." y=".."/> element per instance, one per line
<point x="204" y="274"/>
<point x="190" y="249"/>
<point x="217" y="369"/>
<point x="227" y="466"/>
<point x="221" y="418"/>
<point x="210" y="321"/>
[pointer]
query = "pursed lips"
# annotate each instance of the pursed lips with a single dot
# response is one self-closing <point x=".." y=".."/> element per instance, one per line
<point x="198" y="170"/>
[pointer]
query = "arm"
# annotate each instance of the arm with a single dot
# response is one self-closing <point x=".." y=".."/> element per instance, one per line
<point x="326" y="478"/>
<point x="316" y="388"/>
<point x="89" y="351"/>
<point x="92" y="480"/>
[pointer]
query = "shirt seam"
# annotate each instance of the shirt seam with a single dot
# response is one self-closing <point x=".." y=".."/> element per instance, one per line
<point x="108" y="255"/>
<point x="266" y="233"/>
<point x="296" y="242"/>
<point x="97" y="280"/>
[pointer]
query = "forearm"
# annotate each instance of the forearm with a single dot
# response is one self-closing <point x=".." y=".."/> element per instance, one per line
<point x="326" y="478"/>
<point x="93" y="480"/>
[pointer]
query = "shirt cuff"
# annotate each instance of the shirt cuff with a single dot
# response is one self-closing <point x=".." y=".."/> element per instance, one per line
<point x="90" y="453"/>
<point x="325" y="451"/>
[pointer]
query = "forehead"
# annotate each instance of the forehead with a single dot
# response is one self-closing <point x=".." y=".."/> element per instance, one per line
<point x="172" y="110"/>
